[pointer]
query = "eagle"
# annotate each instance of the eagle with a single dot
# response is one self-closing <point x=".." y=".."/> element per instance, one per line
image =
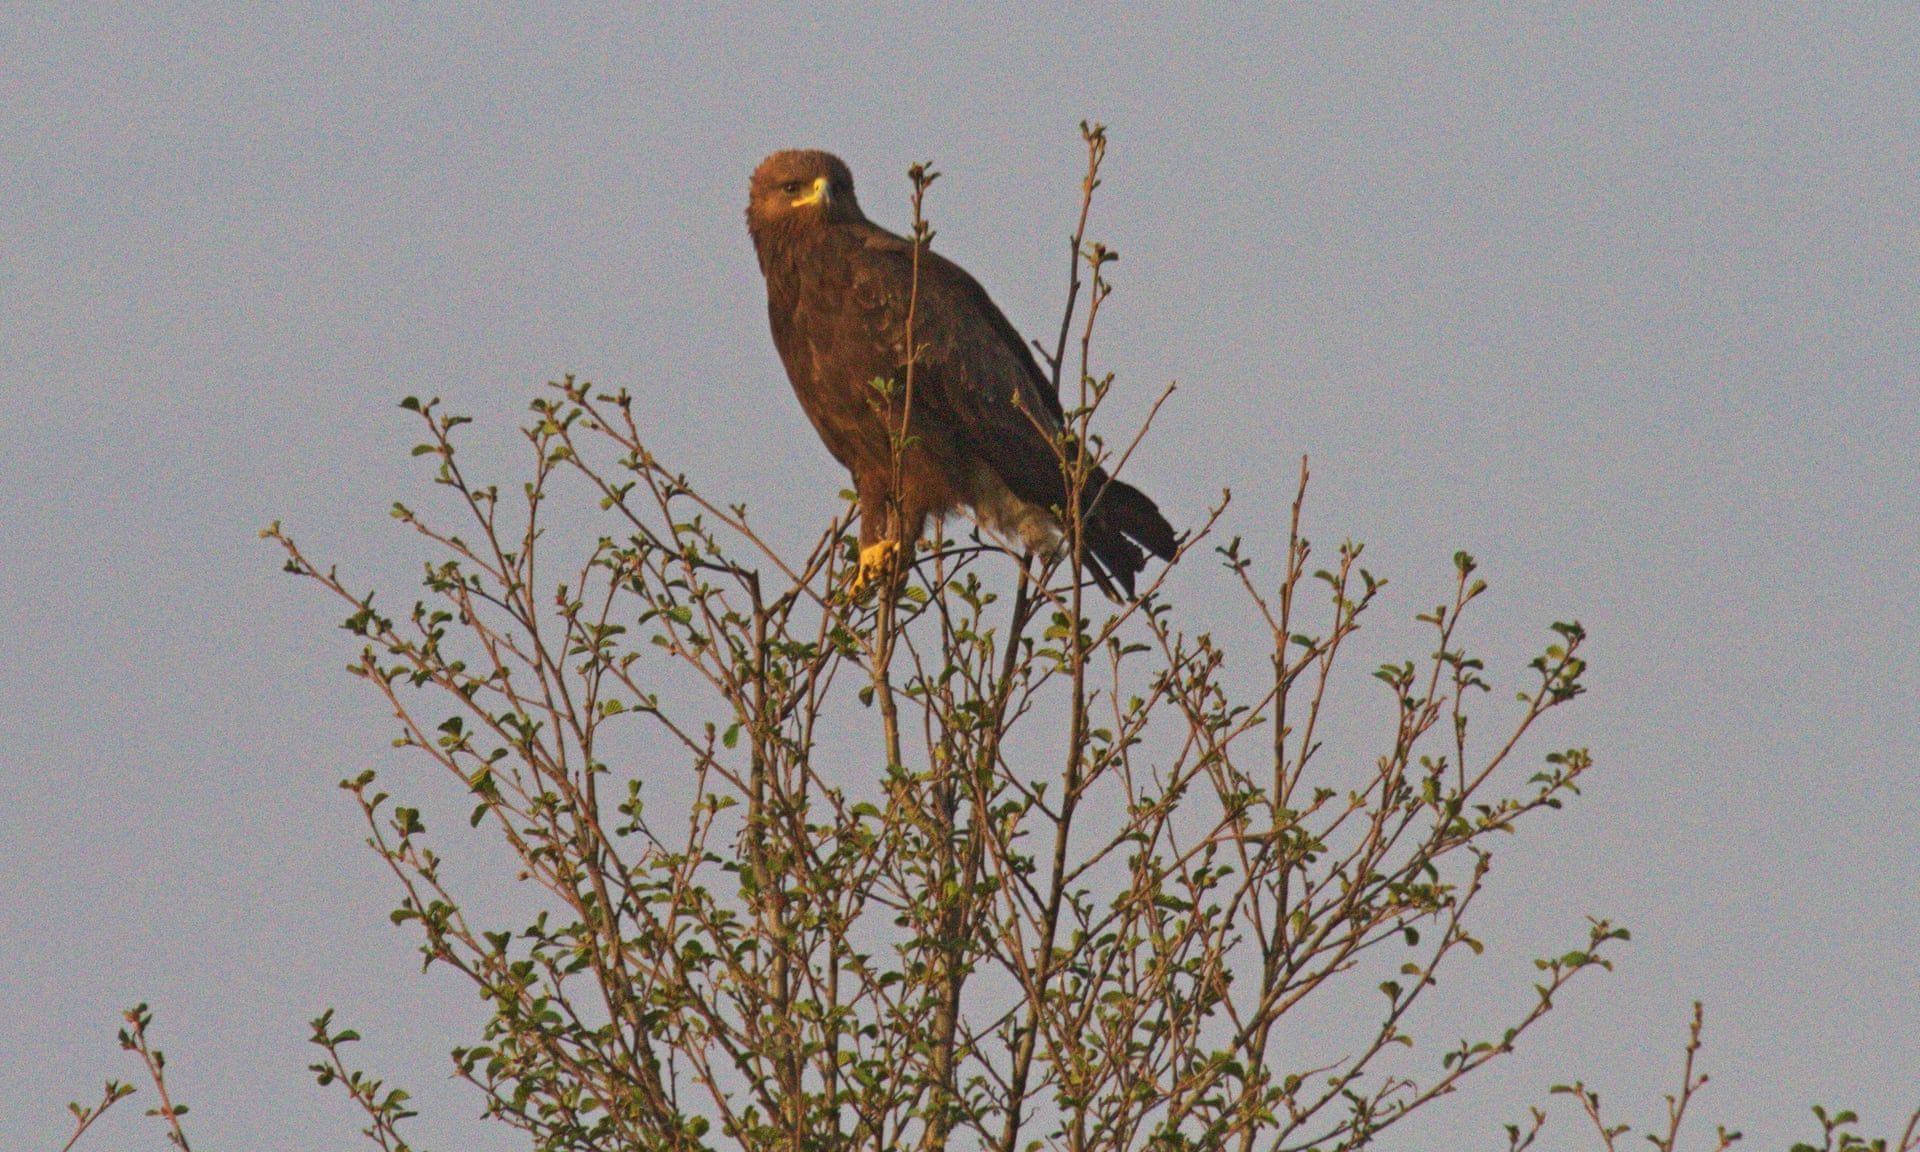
<point x="982" y="422"/>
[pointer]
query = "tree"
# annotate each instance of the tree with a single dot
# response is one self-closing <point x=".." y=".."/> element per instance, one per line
<point x="1067" y="892"/>
<point x="980" y="860"/>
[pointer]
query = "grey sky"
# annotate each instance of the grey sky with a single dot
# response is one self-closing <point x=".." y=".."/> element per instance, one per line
<point x="1623" y="302"/>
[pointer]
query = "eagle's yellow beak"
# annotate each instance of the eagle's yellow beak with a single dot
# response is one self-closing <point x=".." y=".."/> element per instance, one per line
<point x="818" y="194"/>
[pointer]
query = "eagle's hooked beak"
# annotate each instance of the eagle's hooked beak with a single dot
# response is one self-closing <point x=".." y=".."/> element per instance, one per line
<point x="818" y="194"/>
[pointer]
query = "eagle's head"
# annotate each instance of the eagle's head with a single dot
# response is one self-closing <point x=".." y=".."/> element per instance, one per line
<point x="797" y="189"/>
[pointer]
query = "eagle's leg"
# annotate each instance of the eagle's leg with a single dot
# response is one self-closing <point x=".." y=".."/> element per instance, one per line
<point x="888" y="530"/>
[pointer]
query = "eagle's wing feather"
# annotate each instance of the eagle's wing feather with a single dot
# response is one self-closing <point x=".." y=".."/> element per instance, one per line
<point x="974" y="376"/>
<point x="976" y="382"/>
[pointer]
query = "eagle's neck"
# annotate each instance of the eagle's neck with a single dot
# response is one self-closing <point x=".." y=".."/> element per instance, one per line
<point x="784" y="247"/>
<point x="791" y="239"/>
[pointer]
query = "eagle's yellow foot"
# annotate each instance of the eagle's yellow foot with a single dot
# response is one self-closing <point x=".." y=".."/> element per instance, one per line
<point x="876" y="560"/>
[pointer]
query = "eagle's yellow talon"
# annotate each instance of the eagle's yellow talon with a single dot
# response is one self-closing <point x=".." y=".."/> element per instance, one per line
<point x="875" y="560"/>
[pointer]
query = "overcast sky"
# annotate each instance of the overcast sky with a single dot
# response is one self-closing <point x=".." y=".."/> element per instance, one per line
<point x="1623" y="303"/>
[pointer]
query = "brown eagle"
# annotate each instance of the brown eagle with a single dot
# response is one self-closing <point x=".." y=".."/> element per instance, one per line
<point x="981" y="419"/>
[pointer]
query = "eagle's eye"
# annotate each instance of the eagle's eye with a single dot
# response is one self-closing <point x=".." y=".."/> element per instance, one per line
<point x="791" y="187"/>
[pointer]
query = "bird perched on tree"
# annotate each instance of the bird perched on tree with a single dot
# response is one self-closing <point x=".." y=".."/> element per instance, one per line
<point x="981" y="420"/>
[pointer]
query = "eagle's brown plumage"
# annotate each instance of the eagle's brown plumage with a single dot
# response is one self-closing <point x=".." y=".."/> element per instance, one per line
<point x="982" y="414"/>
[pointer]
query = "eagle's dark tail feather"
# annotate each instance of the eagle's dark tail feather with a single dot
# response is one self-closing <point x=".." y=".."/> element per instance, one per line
<point x="1122" y="522"/>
